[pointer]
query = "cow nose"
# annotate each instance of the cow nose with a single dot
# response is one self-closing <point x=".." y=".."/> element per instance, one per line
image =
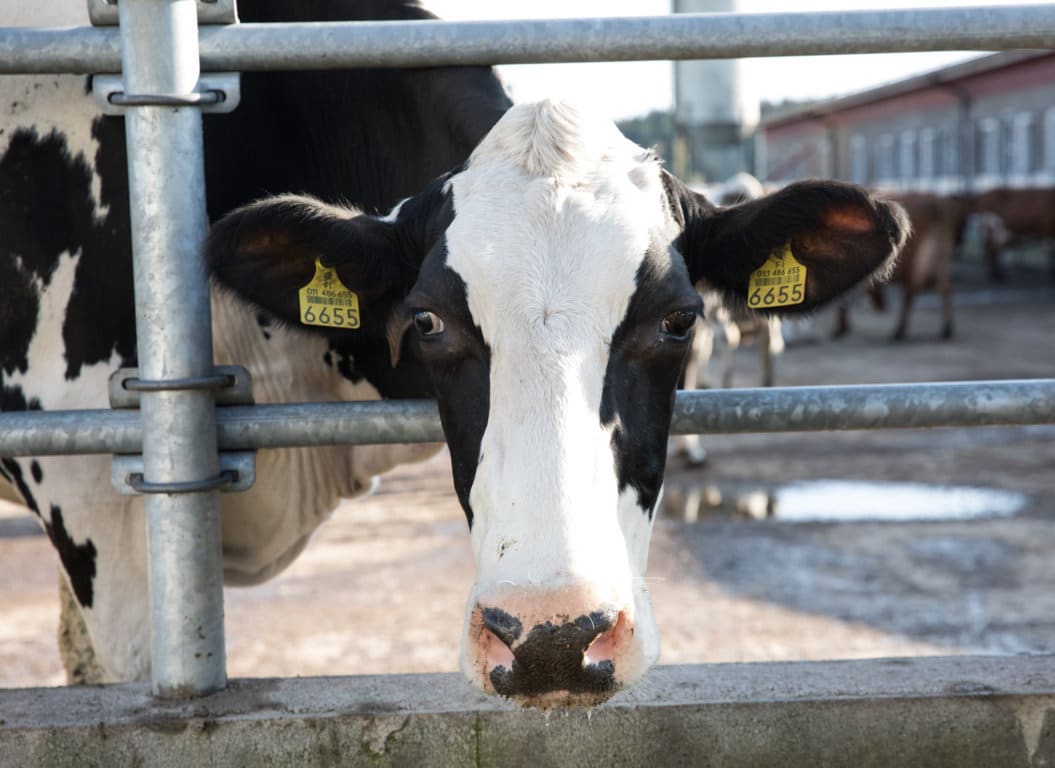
<point x="559" y="660"/>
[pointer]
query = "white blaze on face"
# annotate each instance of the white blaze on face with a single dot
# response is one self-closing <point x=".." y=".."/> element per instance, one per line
<point x="553" y="218"/>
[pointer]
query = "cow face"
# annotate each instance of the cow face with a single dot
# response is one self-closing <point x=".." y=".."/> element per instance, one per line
<point x="544" y="294"/>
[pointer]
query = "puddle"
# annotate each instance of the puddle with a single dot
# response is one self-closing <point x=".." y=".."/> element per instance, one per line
<point x="843" y="501"/>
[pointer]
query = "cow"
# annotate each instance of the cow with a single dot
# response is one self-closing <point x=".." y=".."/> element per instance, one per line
<point x="1024" y="214"/>
<point x="542" y="291"/>
<point x="925" y="263"/>
<point x="66" y="310"/>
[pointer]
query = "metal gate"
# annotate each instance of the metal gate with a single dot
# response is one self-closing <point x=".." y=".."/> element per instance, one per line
<point x="160" y="50"/>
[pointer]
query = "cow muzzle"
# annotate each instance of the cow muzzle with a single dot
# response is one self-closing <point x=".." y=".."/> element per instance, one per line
<point x="551" y="650"/>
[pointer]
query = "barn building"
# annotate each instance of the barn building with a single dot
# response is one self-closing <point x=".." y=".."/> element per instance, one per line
<point x="966" y="128"/>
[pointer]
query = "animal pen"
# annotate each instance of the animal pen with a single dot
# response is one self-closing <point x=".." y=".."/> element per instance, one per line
<point x="182" y="432"/>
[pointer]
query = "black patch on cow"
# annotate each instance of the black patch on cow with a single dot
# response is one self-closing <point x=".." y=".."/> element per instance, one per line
<point x="13" y="399"/>
<point x="45" y="207"/>
<point x="265" y="321"/>
<point x="504" y="626"/>
<point x="343" y="360"/>
<point x="19" y="308"/>
<point x="36" y="471"/>
<point x="458" y="362"/>
<point x="643" y="370"/>
<point x="12" y="470"/>
<point x="551" y="659"/>
<point x="368" y="137"/>
<point x="104" y="272"/>
<point x="77" y="559"/>
<point x="46" y="210"/>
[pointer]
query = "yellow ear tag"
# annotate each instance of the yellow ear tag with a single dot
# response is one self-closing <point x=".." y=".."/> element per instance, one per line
<point x="780" y="282"/>
<point x="327" y="302"/>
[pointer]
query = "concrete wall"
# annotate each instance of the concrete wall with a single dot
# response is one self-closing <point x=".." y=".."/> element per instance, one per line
<point x="955" y="711"/>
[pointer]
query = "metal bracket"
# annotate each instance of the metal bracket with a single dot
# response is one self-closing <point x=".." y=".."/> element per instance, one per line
<point x="237" y="473"/>
<point x="216" y="92"/>
<point x="103" y="13"/>
<point x="232" y="385"/>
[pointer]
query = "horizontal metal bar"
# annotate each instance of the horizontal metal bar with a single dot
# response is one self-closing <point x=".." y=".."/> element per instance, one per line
<point x="286" y="46"/>
<point x="791" y="409"/>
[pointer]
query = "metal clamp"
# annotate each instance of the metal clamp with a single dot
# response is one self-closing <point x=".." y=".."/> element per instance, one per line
<point x="216" y="92"/>
<point x="104" y="13"/>
<point x="197" y="99"/>
<point x="216" y="381"/>
<point x="237" y="473"/>
<point x="232" y="385"/>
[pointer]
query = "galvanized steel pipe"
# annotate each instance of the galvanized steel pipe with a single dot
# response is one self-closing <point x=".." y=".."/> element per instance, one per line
<point x="789" y="409"/>
<point x="328" y="45"/>
<point x="166" y="175"/>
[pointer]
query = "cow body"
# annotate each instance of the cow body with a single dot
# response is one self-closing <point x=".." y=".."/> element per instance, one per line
<point x="1024" y="214"/>
<point x="925" y="263"/>
<point x="67" y="315"/>
<point x="542" y="291"/>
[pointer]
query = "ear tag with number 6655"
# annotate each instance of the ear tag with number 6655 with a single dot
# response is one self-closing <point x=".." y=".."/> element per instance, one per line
<point x="326" y="301"/>
<point x="780" y="282"/>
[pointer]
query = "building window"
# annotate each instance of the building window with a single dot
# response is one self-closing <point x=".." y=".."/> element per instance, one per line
<point x="907" y="155"/>
<point x="1022" y="144"/>
<point x="1049" y="140"/>
<point x="884" y="158"/>
<point x="928" y="141"/>
<point x="987" y="147"/>
<point x="858" y="159"/>
<point x="951" y="153"/>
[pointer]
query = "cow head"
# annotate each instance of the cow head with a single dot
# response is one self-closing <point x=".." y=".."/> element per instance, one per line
<point x="547" y="289"/>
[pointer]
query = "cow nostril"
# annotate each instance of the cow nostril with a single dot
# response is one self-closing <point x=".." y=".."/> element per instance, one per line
<point x="606" y="644"/>
<point x="502" y="625"/>
<point x="497" y="653"/>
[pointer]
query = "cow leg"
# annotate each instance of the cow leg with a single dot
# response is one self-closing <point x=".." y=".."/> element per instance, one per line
<point x="770" y="344"/>
<point x="75" y="646"/>
<point x="842" y="321"/>
<point x="945" y="289"/>
<point x="901" y="332"/>
<point x="726" y="357"/>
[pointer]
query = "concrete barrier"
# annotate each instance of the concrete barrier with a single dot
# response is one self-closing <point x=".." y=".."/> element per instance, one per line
<point x="951" y="711"/>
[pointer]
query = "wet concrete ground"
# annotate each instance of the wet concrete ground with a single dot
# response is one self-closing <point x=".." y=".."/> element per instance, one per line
<point x="382" y="586"/>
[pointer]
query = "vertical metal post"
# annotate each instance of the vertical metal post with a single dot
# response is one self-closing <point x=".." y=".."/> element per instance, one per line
<point x="159" y="53"/>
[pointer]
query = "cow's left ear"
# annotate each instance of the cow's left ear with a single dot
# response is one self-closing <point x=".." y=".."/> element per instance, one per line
<point x="325" y="268"/>
<point x="838" y="235"/>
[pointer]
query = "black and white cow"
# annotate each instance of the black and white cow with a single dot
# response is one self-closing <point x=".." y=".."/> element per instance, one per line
<point x="543" y="293"/>
<point x="66" y="310"/>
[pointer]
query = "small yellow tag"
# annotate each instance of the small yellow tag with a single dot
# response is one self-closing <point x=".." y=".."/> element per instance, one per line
<point x="327" y="302"/>
<point x="780" y="282"/>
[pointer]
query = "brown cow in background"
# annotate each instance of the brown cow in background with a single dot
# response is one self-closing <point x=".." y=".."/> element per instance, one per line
<point x="925" y="263"/>
<point x="1025" y="214"/>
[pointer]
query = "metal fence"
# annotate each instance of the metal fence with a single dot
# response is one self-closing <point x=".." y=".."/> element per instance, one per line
<point x="160" y="50"/>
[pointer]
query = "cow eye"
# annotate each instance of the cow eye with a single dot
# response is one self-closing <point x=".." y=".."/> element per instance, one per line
<point x="677" y="325"/>
<point x="428" y="323"/>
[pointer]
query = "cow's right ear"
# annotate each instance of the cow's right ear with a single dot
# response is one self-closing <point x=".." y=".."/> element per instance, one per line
<point x="268" y="252"/>
<point x="839" y="236"/>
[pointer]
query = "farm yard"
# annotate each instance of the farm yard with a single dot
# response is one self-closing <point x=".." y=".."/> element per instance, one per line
<point x="382" y="587"/>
